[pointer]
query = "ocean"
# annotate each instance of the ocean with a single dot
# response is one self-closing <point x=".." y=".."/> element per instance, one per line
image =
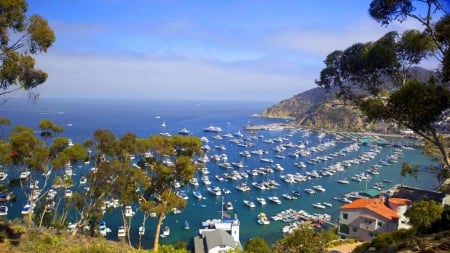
<point x="81" y="117"/>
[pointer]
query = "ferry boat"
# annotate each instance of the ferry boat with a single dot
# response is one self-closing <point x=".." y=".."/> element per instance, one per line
<point x="213" y="129"/>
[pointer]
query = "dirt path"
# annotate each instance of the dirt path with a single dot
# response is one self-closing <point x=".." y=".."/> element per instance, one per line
<point x="345" y="248"/>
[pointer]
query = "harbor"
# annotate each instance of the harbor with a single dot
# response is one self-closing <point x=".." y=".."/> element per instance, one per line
<point x="290" y="174"/>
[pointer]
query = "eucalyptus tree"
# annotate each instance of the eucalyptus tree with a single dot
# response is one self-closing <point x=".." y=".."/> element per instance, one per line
<point x="301" y="239"/>
<point x="171" y="162"/>
<point x="364" y="71"/>
<point x="21" y="36"/>
<point x="28" y="153"/>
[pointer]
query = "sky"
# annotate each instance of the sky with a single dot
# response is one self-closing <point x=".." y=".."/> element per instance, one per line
<point x="261" y="50"/>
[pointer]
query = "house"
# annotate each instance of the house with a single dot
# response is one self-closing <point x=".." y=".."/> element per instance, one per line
<point x="218" y="236"/>
<point x="363" y="219"/>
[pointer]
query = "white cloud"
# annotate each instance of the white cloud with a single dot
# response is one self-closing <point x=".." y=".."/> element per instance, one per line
<point x="118" y="76"/>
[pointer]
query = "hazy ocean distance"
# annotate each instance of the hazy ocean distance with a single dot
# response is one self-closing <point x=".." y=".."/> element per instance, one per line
<point x="81" y="117"/>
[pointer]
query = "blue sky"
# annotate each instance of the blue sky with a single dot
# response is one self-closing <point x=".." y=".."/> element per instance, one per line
<point x="216" y="49"/>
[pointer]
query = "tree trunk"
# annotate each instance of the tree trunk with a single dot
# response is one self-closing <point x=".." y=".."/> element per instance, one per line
<point x="158" y="229"/>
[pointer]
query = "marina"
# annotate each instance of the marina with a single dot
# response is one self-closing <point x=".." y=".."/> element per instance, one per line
<point x="309" y="167"/>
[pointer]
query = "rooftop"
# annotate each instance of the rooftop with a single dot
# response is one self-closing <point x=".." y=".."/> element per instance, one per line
<point x="375" y="205"/>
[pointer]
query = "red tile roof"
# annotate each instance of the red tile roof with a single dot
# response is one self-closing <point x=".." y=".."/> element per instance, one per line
<point x="375" y="205"/>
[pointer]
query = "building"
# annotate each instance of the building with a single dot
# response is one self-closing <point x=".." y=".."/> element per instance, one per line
<point x="218" y="236"/>
<point x="363" y="219"/>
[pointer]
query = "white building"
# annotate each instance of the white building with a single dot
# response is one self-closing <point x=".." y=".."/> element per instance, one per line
<point x="363" y="219"/>
<point x="218" y="236"/>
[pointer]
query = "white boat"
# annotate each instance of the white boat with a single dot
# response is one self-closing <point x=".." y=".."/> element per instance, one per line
<point x="213" y="129"/>
<point x="310" y="191"/>
<point x="24" y="174"/>
<point x="83" y="180"/>
<point x="226" y="191"/>
<point x="261" y="200"/>
<point x="215" y="190"/>
<point x="186" y="225"/>
<point x="343" y="181"/>
<point x="121" y="231"/>
<point x="166" y="232"/>
<point x="249" y="203"/>
<point x="129" y="211"/>
<point x="319" y="205"/>
<point x="197" y="194"/>
<point x="243" y="187"/>
<point x="275" y="200"/>
<point x="68" y="193"/>
<point x="103" y="229"/>
<point x="184" y="131"/>
<point x="3" y="175"/>
<point x="3" y="210"/>
<point x="229" y="205"/>
<point x="328" y="204"/>
<point x="27" y="208"/>
<point x="262" y="219"/>
<point x="266" y="160"/>
<point x="319" y="188"/>
<point x="194" y="181"/>
<point x="141" y="230"/>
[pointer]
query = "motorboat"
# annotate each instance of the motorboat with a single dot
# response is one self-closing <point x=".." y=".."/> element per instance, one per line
<point x="262" y="219"/>
<point x="275" y="200"/>
<point x="197" y="194"/>
<point x="141" y="230"/>
<point x="186" y="225"/>
<point x="261" y="200"/>
<point x="166" y="232"/>
<point x="103" y="229"/>
<point x="229" y="205"/>
<point x="184" y="131"/>
<point x="319" y="205"/>
<point x="213" y="129"/>
<point x="129" y="211"/>
<point x="27" y="208"/>
<point x="215" y="190"/>
<point x="24" y="174"/>
<point x="121" y="231"/>
<point x="3" y="175"/>
<point x="3" y="210"/>
<point x="249" y="203"/>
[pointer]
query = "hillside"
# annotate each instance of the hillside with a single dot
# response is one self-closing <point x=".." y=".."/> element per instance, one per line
<point x="316" y="108"/>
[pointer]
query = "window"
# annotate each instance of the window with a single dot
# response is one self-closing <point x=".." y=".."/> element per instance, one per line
<point x="368" y="222"/>
<point x="344" y="229"/>
<point x="344" y="216"/>
<point x="355" y="229"/>
<point x="371" y="234"/>
<point x="380" y="224"/>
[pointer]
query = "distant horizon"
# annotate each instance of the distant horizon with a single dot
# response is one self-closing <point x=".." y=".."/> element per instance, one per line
<point x="257" y="50"/>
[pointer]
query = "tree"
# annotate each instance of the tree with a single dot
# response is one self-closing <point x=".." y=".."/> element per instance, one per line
<point x="257" y="245"/>
<point x="21" y="36"/>
<point x="302" y="239"/>
<point x="423" y="214"/>
<point x="363" y="72"/>
<point x="180" y="150"/>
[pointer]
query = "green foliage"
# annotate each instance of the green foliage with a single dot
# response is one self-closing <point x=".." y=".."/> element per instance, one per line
<point x="257" y="245"/>
<point x="303" y="239"/>
<point x="20" y="37"/>
<point x="423" y="214"/>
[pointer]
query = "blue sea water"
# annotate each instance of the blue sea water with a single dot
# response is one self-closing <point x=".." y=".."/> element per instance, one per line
<point x="81" y="117"/>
